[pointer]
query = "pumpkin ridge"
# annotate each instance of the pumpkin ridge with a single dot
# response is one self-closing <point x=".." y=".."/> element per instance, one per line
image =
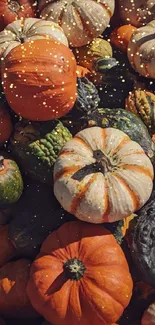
<point x="133" y="195"/>
<point x="83" y="142"/>
<point x="139" y="169"/>
<point x="66" y="170"/>
<point x="120" y="145"/>
<point x="79" y="196"/>
<point x="105" y="7"/>
<point x="85" y="26"/>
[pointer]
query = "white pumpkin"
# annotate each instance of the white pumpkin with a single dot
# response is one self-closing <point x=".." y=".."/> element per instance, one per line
<point x="30" y="29"/>
<point x="137" y="12"/>
<point x="148" y="317"/>
<point x="141" y="50"/>
<point x="102" y="176"/>
<point x="81" y="20"/>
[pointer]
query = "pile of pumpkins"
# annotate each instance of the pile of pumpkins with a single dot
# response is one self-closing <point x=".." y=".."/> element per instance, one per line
<point x="77" y="158"/>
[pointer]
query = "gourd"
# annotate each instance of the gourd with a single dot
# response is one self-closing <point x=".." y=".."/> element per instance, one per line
<point x="148" y="317"/>
<point x="54" y="93"/>
<point x="5" y="123"/>
<point x="29" y="30"/>
<point x="120" y="228"/>
<point x="7" y="250"/>
<point x="82" y="71"/>
<point x="34" y="216"/>
<point x="13" y="282"/>
<point x="140" y="50"/>
<point x="121" y="36"/>
<point x="80" y="255"/>
<point x="36" y="145"/>
<point x="81" y="21"/>
<point x="137" y="12"/>
<point x="87" y="55"/>
<point x="95" y="165"/>
<point x="13" y="10"/>
<point x="142" y="103"/>
<point x="142" y="243"/>
<point x="11" y="183"/>
<point x="125" y="121"/>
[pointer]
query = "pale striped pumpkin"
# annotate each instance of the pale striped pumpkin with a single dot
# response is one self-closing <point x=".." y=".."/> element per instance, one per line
<point x="30" y="29"/>
<point x="81" y="20"/>
<point x="101" y="175"/>
<point x="141" y="50"/>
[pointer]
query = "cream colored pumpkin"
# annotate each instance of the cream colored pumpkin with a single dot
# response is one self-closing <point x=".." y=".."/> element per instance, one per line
<point x="141" y="50"/>
<point x="30" y="29"/>
<point x="137" y="12"/>
<point x="81" y="20"/>
<point x="102" y="176"/>
<point x="148" y="317"/>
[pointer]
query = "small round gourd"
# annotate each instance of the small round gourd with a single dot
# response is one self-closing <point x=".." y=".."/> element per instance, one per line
<point x="141" y="53"/>
<point x="121" y="36"/>
<point x="81" y="20"/>
<point x="29" y="30"/>
<point x="95" y="165"/>
<point x="148" y="317"/>
<point x="11" y="183"/>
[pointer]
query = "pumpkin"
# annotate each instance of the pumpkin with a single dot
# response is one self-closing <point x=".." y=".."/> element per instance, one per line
<point x="137" y="12"/>
<point x="121" y="36"/>
<point x="99" y="158"/>
<point x="87" y="55"/>
<point x="36" y="145"/>
<point x="47" y="80"/>
<point x="81" y="261"/>
<point x="34" y="216"/>
<point x="29" y="30"/>
<point x="7" y="250"/>
<point x="125" y="121"/>
<point x="142" y="243"/>
<point x="81" y="20"/>
<point x="13" y="298"/>
<point x="12" y="10"/>
<point x="140" y="50"/>
<point x="142" y="103"/>
<point x="148" y="317"/>
<point x="5" y="123"/>
<point x="11" y="183"/>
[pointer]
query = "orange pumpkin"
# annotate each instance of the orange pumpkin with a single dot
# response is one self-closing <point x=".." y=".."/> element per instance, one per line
<point x="7" y="250"/>
<point x="81" y="276"/>
<point x="13" y="298"/>
<point x="5" y="123"/>
<point x="41" y="79"/>
<point x="121" y="36"/>
<point x="12" y="10"/>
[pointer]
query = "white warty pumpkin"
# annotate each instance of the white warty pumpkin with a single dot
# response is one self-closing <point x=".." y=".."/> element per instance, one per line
<point x="141" y="50"/>
<point x="29" y="29"/>
<point x="101" y="175"/>
<point x="81" y="20"/>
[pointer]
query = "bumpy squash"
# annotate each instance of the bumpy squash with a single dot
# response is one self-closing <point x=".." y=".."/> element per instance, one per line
<point x="5" y="123"/>
<point x="13" y="282"/>
<point x="11" y="183"/>
<point x="148" y="317"/>
<point x="28" y="30"/>
<point x="7" y="250"/>
<point x="95" y="165"/>
<point x="80" y="259"/>
<point x="142" y="243"/>
<point x="49" y="89"/>
<point x="81" y="20"/>
<point x="126" y="122"/>
<point x="142" y="103"/>
<point x="34" y="216"/>
<point x="87" y="55"/>
<point x="36" y="146"/>
<point x="121" y="36"/>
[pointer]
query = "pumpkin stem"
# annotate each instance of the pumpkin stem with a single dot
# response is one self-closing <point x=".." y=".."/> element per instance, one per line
<point x="103" y="160"/>
<point x="13" y="6"/>
<point x="74" y="269"/>
<point x="1" y="163"/>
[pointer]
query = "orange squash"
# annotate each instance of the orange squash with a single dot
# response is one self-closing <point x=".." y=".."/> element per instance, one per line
<point x="7" y="250"/>
<point x="13" y="298"/>
<point x="121" y="36"/>
<point x="82" y="71"/>
<point x="41" y="79"/>
<point x="5" y="123"/>
<point x="81" y="276"/>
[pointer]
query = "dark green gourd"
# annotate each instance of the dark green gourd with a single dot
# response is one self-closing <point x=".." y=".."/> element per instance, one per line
<point x="36" y="146"/>
<point x="34" y="216"/>
<point x="87" y="97"/>
<point x="142" y="245"/>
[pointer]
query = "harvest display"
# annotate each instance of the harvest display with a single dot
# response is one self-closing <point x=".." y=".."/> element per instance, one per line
<point x="77" y="161"/>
